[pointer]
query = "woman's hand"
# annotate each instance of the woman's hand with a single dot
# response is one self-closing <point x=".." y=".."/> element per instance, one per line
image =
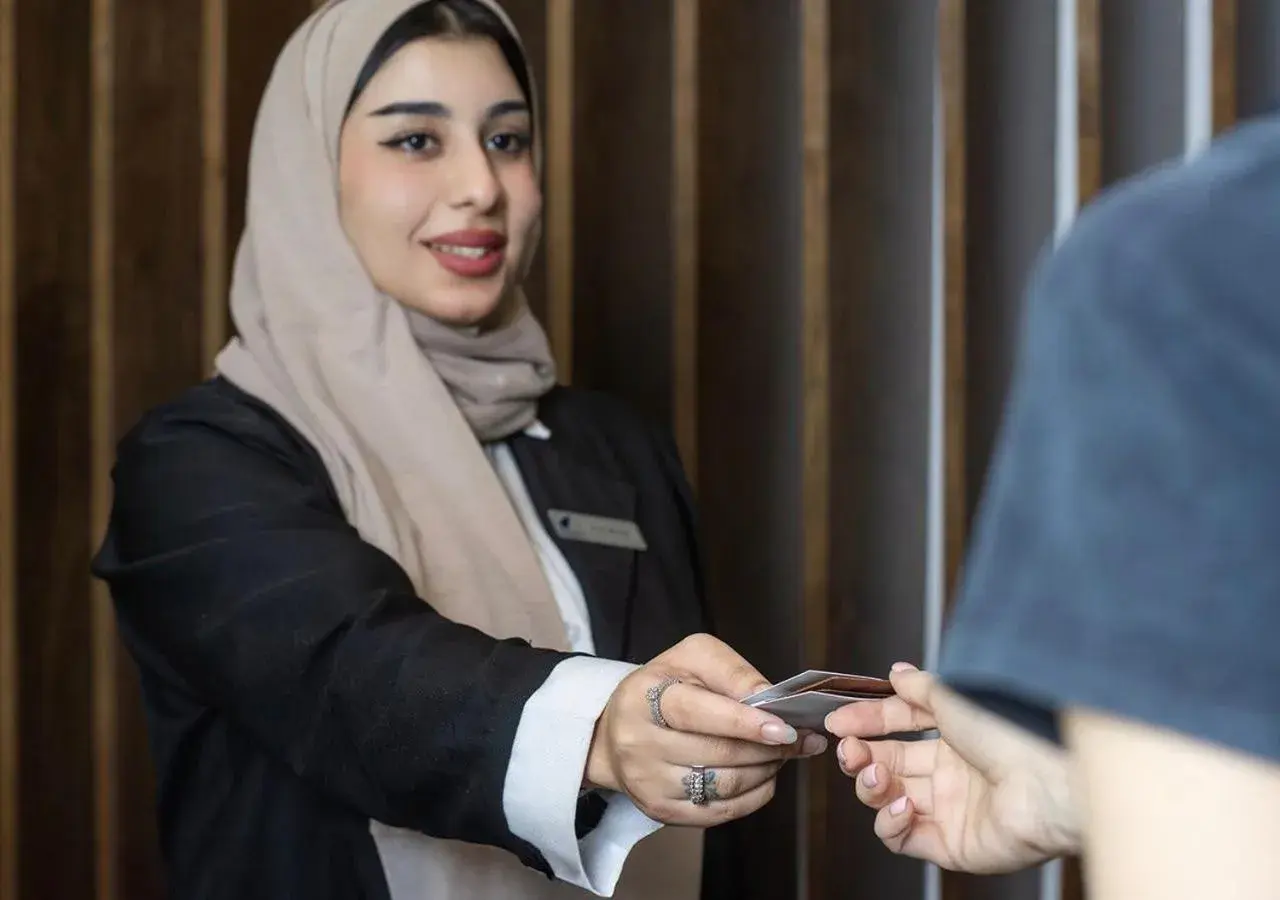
<point x="742" y="749"/>
<point x="986" y="797"/>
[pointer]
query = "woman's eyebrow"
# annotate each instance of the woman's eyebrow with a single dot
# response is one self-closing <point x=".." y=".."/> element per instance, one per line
<point x="506" y="107"/>
<point x="440" y="111"/>
<point x="414" y="108"/>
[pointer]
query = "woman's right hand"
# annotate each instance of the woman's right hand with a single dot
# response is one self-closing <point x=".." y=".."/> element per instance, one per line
<point x="741" y="748"/>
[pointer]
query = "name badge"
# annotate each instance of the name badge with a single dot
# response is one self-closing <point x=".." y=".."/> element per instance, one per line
<point x="573" y="526"/>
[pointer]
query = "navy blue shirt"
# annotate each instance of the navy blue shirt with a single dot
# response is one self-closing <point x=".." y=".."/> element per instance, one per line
<point x="1126" y="553"/>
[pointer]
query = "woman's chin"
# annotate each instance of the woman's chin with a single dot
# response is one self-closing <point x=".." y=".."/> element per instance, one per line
<point x="471" y="312"/>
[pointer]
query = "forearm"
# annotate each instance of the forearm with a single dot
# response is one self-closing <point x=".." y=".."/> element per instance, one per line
<point x="1173" y="817"/>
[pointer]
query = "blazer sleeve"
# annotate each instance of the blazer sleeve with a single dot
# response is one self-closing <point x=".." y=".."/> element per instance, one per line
<point x="231" y="564"/>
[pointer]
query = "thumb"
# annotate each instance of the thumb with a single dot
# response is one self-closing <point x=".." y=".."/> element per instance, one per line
<point x="915" y="687"/>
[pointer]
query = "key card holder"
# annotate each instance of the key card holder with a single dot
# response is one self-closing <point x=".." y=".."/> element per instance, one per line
<point x="805" y="700"/>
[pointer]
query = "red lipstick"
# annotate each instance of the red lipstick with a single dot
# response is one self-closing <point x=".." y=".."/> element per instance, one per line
<point x="471" y="253"/>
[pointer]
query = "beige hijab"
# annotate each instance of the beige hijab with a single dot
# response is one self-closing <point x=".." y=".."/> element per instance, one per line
<point x="393" y="401"/>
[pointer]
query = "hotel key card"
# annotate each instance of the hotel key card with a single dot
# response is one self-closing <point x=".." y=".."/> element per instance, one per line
<point x="804" y="700"/>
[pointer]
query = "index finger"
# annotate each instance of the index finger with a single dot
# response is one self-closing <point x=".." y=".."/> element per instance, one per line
<point x="690" y="708"/>
<point x="717" y="666"/>
<point x="876" y="718"/>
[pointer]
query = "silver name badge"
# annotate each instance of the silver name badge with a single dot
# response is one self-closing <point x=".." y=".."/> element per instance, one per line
<point x="574" y="526"/>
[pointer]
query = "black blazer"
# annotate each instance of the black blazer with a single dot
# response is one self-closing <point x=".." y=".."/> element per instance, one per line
<point x="293" y="681"/>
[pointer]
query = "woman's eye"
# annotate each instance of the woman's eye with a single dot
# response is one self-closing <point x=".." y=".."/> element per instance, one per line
<point x="418" y="142"/>
<point x="509" y="142"/>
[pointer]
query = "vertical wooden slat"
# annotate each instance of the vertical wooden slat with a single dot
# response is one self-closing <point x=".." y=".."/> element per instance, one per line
<point x="1144" y="66"/>
<point x="1089" y="96"/>
<point x="157" y="282"/>
<point x="8" y="460"/>
<point x="1257" y="52"/>
<point x="1225" y="46"/>
<point x="50" y="243"/>
<point x="622" y="254"/>
<point x="750" y="380"/>
<point x="815" y="482"/>
<point x="102" y="378"/>
<point x="684" y="189"/>
<point x="213" y="102"/>
<point x="882" y="228"/>
<point x="952" y="72"/>
<point x="559" y="181"/>
<point x="255" y="33"/>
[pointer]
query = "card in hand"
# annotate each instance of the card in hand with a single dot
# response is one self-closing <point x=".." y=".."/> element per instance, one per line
<point x="804" y="700"/>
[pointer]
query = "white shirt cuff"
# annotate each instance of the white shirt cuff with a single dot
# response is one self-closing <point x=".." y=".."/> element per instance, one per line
<point x="544" y="777"/>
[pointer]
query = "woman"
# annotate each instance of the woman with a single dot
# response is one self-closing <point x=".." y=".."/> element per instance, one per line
<point x="371" y="668"/>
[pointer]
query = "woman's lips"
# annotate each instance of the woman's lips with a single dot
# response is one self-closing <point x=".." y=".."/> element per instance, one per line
<point x="470" y="254"/>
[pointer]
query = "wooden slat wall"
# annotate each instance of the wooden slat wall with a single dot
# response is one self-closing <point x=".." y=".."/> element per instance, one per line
<point x="812" y="837"/>
<point x="750" y="411"/>
<point x="51" y="485"/>
<point x="8" y="460"/>
<point x="739" y="241"/>
<point x="881" y="212"/>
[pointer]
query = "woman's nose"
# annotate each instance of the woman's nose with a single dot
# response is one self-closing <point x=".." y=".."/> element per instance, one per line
<point x="474" y="181"/>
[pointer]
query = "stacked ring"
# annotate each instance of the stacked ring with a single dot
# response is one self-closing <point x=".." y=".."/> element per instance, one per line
<point x="654" y="696"/>
<point x="700" y="786"/>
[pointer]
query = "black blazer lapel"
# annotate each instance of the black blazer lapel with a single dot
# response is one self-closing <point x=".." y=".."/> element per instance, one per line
<point x="558" y="481"/>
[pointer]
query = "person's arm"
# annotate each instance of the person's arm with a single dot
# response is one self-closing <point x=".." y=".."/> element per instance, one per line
<point x="235" y="570"/>
<point x="1171" y="816"/>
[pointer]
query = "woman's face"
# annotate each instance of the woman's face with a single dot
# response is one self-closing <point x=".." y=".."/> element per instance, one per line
<point x="437" y="186"/>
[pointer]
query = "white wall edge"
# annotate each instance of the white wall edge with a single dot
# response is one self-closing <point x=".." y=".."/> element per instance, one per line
<point x="1066" y="204"/>
<point x="1198" y="97"/>
<point x="935" y="550"/>
<point x="1066" y="179"/>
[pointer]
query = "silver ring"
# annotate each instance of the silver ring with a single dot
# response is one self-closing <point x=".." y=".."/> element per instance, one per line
<point x="654" y="696"/>
<point x="700" y="785"/>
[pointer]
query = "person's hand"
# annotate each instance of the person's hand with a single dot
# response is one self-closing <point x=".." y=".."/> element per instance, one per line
<point x="742" y="749"/>
<point x="985" y="797"/>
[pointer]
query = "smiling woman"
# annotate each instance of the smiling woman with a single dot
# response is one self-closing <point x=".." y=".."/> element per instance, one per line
<point x="371" y="669"/>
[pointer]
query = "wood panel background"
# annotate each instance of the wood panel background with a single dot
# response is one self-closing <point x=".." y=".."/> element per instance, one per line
<point x="796" y="230"/>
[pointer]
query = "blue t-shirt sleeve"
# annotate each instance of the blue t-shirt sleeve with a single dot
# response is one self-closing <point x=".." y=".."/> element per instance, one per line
<point x="1126" y="553"/>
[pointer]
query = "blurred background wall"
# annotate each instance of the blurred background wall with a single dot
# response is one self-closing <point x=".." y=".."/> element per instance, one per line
<point x="796" y="230"/>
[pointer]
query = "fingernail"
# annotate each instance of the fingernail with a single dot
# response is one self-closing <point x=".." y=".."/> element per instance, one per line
<point x="840" y="755"/>
<point x="813" y="745"/>
<point x="899" y="806"/>
<point x="778" y="733"/>
<point x="902" y="667"/>
<point x="762" y="686"/>
<point x="869" y="776"/>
